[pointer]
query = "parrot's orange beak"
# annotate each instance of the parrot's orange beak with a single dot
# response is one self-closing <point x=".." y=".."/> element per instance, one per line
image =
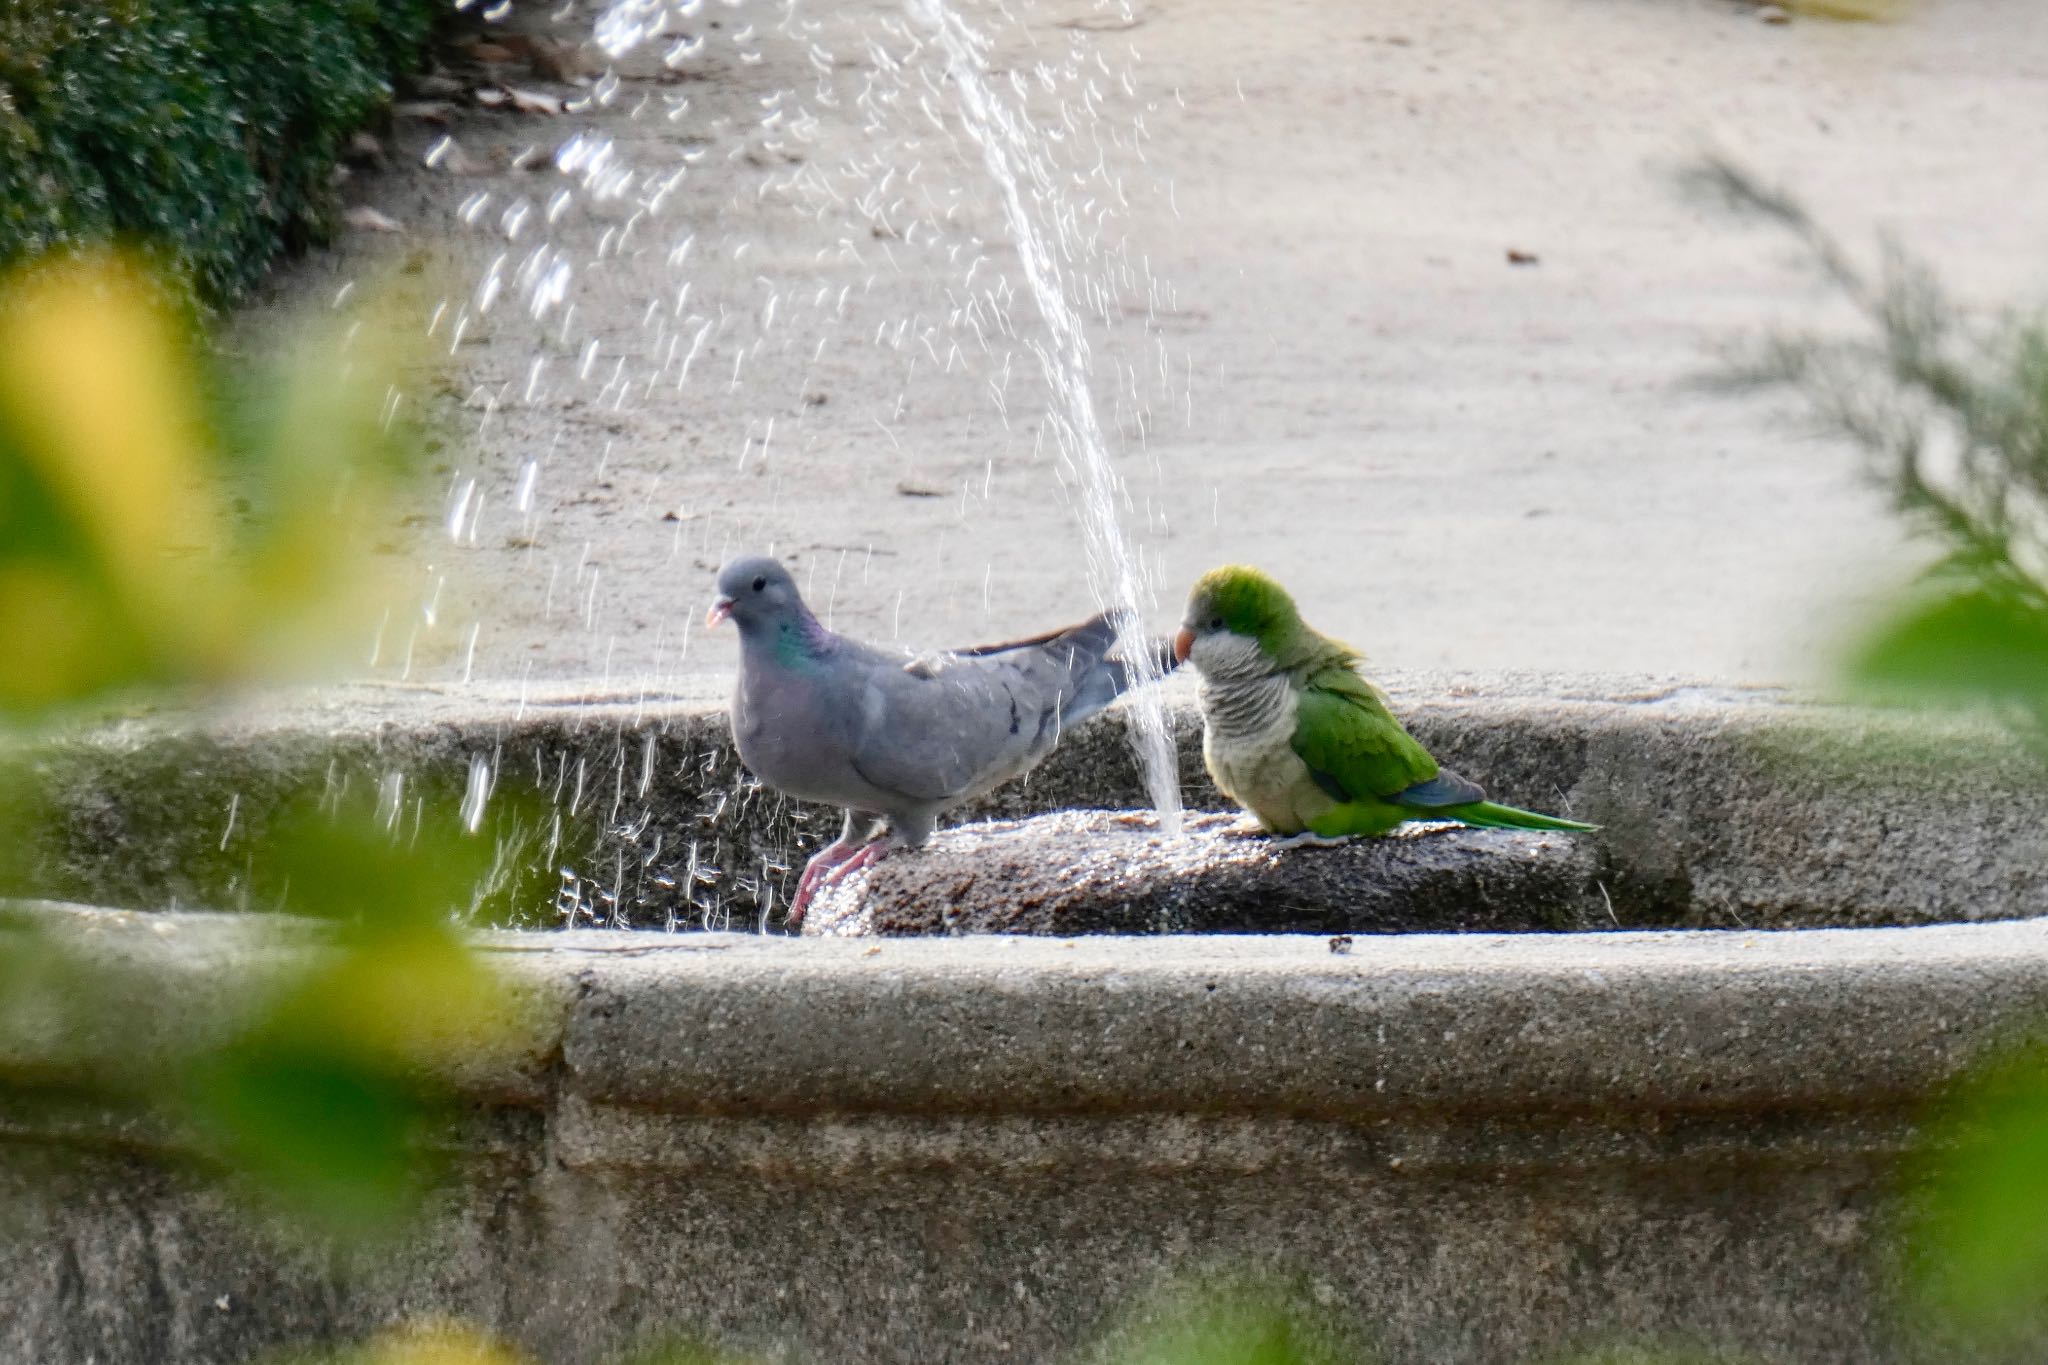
<point x="720" y="610"/>
<point x="1182" y="643"/>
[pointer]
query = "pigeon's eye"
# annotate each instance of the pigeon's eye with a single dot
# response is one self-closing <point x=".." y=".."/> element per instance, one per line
<point x="1215" y="623"/>
<point x="760" y="584"/>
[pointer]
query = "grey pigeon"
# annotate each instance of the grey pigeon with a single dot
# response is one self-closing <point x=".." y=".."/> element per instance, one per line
<point x="890" y="735"/>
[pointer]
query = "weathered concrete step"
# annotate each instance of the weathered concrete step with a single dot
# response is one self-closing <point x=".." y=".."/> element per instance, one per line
<point x="1483" y="1148"/>
<point x="1113" y="872"/>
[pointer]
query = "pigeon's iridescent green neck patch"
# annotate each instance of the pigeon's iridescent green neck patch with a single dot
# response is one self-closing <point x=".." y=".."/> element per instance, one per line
<point x="796" y="643"/>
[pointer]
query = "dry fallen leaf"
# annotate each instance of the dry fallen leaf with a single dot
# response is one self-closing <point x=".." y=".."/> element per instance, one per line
<point x="1103" y="23"/>
<point x="447" y="155"/>
<point x="522" y="101"/>
<point x="555" y="60"/>
<point x="434" y="85"/>
<point x="432" y="111"/>
<point x="363" y="150"/>
<point x="1854" y="11"/>
<point x="1518" y="257"/>
<point x="918" y="490"/>
<point x="367" y="219"/>
<point x="531" y="102"/>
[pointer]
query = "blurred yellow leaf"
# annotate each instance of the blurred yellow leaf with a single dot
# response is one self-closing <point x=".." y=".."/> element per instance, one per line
<point x="406" y="1001"/>
<point x="64" y="632"/>
<point x="96" y="387"/>
<point x="434" y="1343"/>
<point x="121" y="564"/>
<point x="335" y="445"/>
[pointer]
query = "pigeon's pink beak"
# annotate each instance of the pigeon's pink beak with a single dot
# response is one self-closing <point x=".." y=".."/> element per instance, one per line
<point x="1182" y="643"/>
<point x="720" y="610"/>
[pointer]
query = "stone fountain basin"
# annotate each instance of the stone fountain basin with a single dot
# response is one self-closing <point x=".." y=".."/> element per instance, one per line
<point x="1483" y="1146"/>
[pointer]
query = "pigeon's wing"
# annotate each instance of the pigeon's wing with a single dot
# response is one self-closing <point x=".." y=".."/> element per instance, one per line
<point x="1352" y="743"/>
<point x="1095" y="679"/>
<point x="947" y="727"/>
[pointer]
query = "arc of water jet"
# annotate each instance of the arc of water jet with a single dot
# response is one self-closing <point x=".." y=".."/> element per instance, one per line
<point x="1003" y="140"/>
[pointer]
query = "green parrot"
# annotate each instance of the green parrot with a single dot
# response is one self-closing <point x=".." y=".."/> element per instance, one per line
<point x="1294" y="733"/>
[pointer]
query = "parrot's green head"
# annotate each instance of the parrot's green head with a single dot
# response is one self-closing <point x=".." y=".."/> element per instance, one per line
<point x="1238" y="621"/>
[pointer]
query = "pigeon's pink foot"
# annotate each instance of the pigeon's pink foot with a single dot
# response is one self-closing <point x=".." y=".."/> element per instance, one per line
<point x="869" y="855"/>
<point x="823" y="861"/>
<point x="806" y="887"/>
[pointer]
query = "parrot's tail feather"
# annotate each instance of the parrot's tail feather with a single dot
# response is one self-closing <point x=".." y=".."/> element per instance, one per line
<point x="1493" y="815"/>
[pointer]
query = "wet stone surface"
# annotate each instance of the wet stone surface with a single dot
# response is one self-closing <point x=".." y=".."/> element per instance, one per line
<point x="1112" y="872"/>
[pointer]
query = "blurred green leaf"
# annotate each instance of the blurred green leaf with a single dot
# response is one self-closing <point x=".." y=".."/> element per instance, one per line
<point x="1982" y="1238"/>
<point x="40" y="987"/>
<point x="159" y="530"/>
<point x="1951" y="412"/>
<point x="1970" y="643"/>
<point x="322" y="1131"/>
<point x="325" y="1105"/>
<point x="326" y="1098"/>
<point x="369" y="876"/>
<point x="1233" y="1322"/>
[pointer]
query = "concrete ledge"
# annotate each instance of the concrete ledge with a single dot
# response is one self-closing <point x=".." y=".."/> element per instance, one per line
<point x="1482" y="1147"/>
<point x="725" y="1024"/>
<point x="1673" y="1022"/>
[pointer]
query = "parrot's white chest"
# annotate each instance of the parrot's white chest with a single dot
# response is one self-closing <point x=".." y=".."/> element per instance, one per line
<point x="1248" y="747"/>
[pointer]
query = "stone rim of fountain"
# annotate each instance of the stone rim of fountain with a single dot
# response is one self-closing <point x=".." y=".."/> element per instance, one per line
<point x="1488" y="1049"/>
<point x="1721" y="808"/>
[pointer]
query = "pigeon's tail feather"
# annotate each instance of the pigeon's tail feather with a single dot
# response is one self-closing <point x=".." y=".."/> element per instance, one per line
<point x="1092" y="636"/>
<point x="1099" y="686"/>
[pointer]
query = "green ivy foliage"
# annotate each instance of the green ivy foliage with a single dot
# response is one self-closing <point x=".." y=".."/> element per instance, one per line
<point x="204" y="130"/>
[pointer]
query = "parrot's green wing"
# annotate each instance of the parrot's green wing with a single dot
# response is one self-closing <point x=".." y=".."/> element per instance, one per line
<point x="1351" y="742"/>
